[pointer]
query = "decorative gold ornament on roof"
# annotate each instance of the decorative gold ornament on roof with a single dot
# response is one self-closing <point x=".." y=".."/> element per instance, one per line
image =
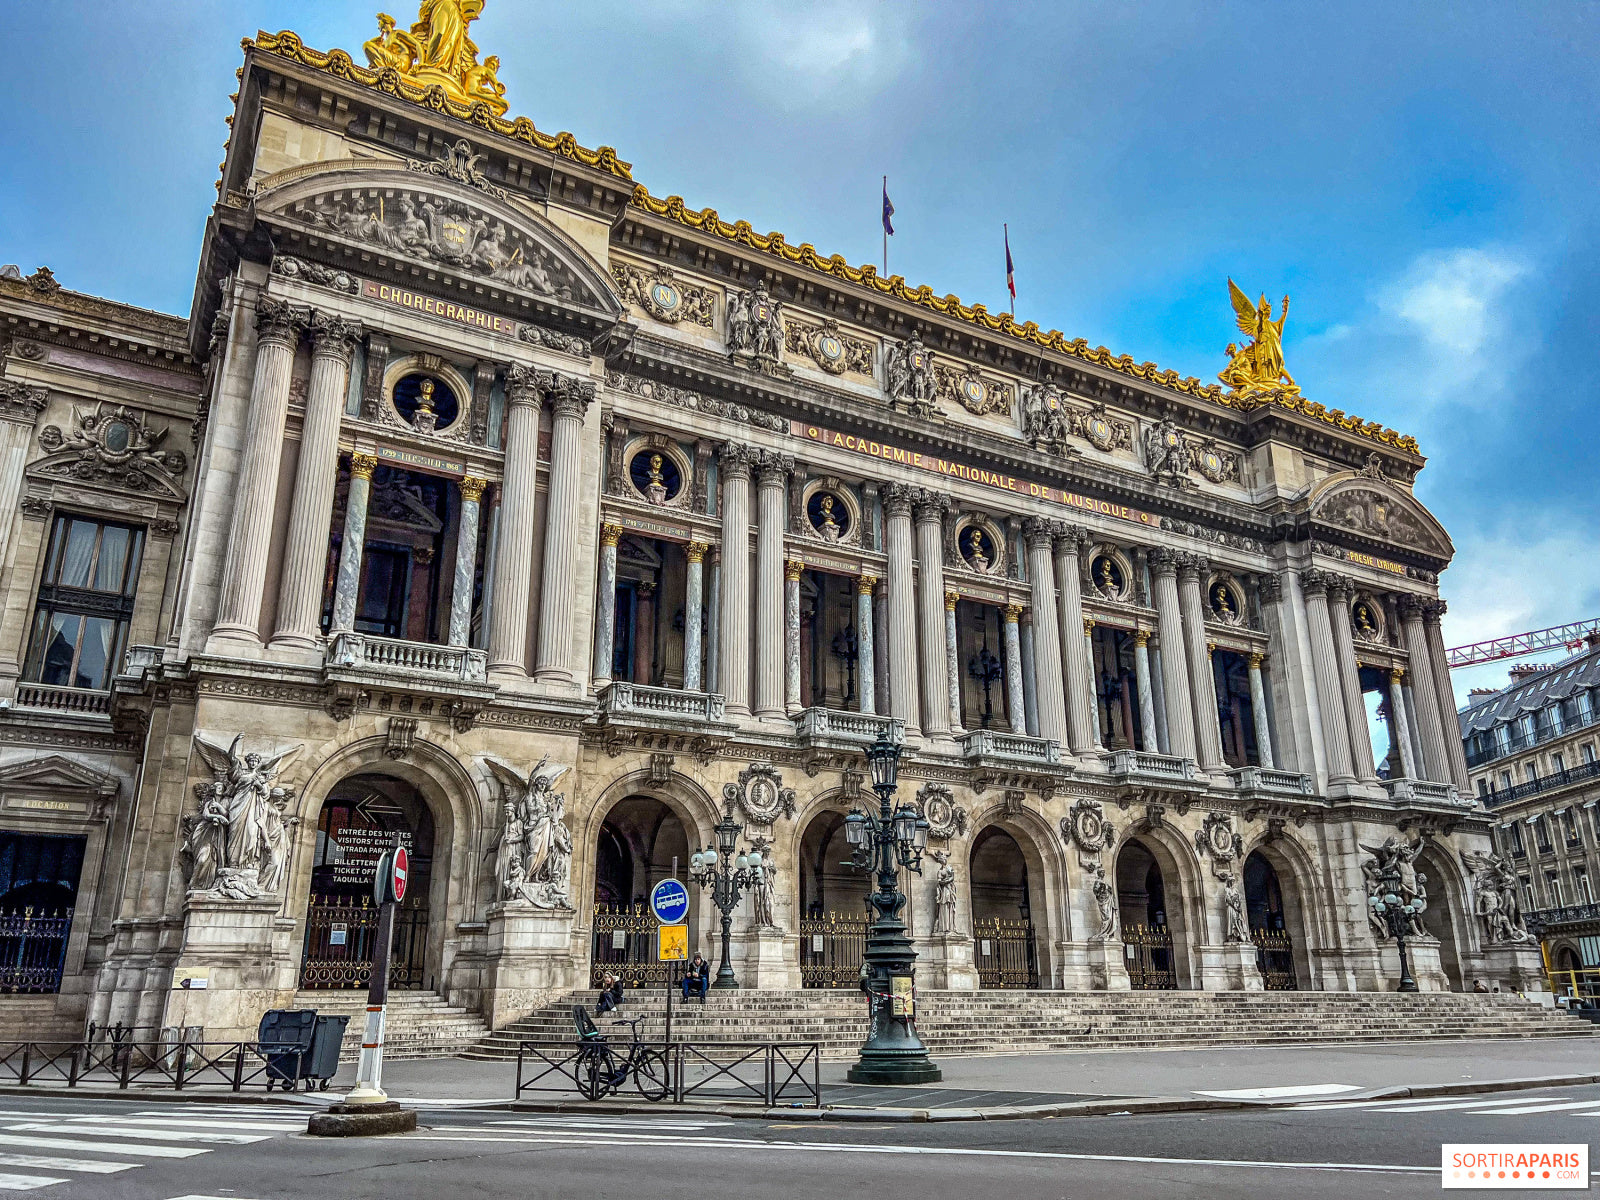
<point x="1258" y="370"/>
<point x="438" y="51"/>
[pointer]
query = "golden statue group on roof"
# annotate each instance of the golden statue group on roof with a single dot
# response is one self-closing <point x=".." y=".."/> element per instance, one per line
<point x="437" y="51"/>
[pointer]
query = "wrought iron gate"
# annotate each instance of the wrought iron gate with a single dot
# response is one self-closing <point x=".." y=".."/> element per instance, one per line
<point x="33" y="949"/>
<point x="340" y="935"/>
<point x="832" y="949"/>
<point x="1004" y="953"/>
<point x="1275" y="957"/>
<point x="1147" y="949"/>
<point x="624" y="943"/>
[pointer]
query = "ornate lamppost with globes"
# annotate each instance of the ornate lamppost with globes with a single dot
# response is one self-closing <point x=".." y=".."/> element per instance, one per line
<point x="884" y="842"/>
<point x="729" y="873"/>
<point x="1397" y="915"/>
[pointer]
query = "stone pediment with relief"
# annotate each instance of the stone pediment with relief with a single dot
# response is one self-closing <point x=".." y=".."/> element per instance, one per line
<point x="1369" y="504"/>
<point x="56" y="773"/>
<point x="435" y="219"/>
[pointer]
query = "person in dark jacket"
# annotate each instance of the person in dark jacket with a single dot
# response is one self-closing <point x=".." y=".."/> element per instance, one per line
<point x="696" y="977"/>
<point x="610" y="994"/>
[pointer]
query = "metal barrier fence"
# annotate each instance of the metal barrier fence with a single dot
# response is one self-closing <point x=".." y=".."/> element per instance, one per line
<point x="125" y="1063"/>
<point x="766" y="1073"/>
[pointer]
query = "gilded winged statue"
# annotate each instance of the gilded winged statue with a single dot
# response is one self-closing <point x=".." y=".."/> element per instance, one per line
<point x="438" y="52"/>
<point x="1259" y="365"/>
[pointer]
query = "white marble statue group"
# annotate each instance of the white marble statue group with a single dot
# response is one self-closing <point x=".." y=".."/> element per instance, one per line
<point x="534" y="859"/>
<point x="236" y="846"/>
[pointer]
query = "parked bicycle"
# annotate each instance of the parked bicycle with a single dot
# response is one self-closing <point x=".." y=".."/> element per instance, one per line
<point x="599" y="1073"/>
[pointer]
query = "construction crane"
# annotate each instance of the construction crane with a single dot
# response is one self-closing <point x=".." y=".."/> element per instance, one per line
<point x="1575" y="636"/>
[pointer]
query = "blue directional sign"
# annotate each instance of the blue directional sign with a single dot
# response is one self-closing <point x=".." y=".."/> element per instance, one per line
<point x="669" y="900"/>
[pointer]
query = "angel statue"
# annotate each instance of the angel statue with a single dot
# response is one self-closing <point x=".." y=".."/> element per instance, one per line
<point x="533" y="860"/>
<point x="1494" y="888"/>
<point x="1259" y="365"/>
<point x="237" y="844"/>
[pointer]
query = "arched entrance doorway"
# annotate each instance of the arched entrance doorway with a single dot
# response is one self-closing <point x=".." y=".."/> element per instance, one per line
<point x="1445" y="900"/>
<point x="360" y="819"/>
<point x="833" y="901"/>
<point x="1152" y="919"/>
<point x="639" y="841"/>
<point x="1004" y="950"/>
<point x="1269" y="924"/>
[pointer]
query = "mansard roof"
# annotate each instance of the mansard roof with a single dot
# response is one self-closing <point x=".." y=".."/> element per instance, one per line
<point x="1566" y="678"/>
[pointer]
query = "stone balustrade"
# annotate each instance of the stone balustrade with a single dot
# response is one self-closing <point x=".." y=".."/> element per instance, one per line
<point x="1151" y="766"/>
<point x="80" y="701"/>
<point x="832" y="724"/>
<point x="635" y="699"/>
<point x="359" y="651"/>
<point x="1404" y="790"/>
<point x="1265" y="779"/>
<point x="1018" y="747"/>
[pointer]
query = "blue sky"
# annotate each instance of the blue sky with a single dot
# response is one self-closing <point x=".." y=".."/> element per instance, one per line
<point x="1419" y="178"/>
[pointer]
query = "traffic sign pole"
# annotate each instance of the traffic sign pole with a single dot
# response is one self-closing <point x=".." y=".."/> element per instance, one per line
<point x="389" y="887"/>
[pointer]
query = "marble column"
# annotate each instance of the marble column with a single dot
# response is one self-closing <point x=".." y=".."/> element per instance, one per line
<point x="1030" y="678"/>
<point x="900" y="614"/>
<point x="569" y="400"/>
<point x="1147" y="700"/>
<point x="952" y="660"/>
<point x="1051" y="700"/>
<point x="1094" y="685"/>
<point x="929" y="508"/>
<point x="1192" y="569"/>
<point x="1014" y="684"/>
<point x="1174" y="674"/>
<point x="733" y="656"/>
<point x="278" y="329"/>
<point x="1444" y="692"/>
<point x="713" y="679"/>
<point x="605" y="624"/>
<point x="644" y="634"/>
<point x="466" y="568"/>
<point x="513" y="570"/>
<point x="693" y="614"/>
<point x="305" y="554"/>
<point x="866" y="667"/>
<point x="881" y="646"/>
<point x="1258" y="710"/>
<point x="347" y="584"/>
<point x="1355" y="706"/>
<point x="1159" y="693"/>
<point x="1425" y="688"/>
<point x="1399" y="728"/>
<point x="772" y="474"/>
<point x="791" y="634"/>
<point x="1078" y="686"/>
<point x="1335" y="727"/>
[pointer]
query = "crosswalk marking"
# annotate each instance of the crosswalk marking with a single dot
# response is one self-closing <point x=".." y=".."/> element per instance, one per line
<point x="1401" y="1105"/>
<point x="26" y="1183"/>
<point x="1564" y="1106"/>
<point x="195" y="1123"/>
<point x="1284" y="1093"/>
<point x="157" y="1135"/>
<point x="47" y="1162"/>
<point x="558" y="1122"/>
<point x="99" y="1147"/>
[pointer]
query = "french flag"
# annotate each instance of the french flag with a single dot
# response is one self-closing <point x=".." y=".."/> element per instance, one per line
<point x="888" y="208"/>
<point x="1011" y="278"/>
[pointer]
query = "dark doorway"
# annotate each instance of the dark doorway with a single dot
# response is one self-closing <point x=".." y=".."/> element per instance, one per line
<point x="638" y="843"/>
<point x="38" y="893"/>
<point x="1146" y="935"/>
<point x="1004" y="950"/>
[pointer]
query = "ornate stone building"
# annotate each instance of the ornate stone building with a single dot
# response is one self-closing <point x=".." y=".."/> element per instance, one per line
<point x="488" y="501"/>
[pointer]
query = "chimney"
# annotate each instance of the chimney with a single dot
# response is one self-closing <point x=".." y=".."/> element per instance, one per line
<point x="1525" y="670"/>
<point x="1482" y="692"/>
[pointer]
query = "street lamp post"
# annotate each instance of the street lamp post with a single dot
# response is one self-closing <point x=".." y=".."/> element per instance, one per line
<point x="728" y="873"/>
<point x="1397" y="915"/>
<point x="884" y="842"/>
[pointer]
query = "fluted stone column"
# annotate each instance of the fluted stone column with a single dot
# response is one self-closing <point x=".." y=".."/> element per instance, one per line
<point x="866" y="666"/>
<point x="1030" y="677"/>
<point x="1094" y="685"/>
<point x="772" y="474"/>
<point x="1425" y="688"/>
<point x="20" y="406"/>
<point x="513" y="568"/>
<point x="1078" y="686"/>
<point x="733" y="655"/>
<point x="952" y="660"/>
<point x="1047" y="650"/>
<point x="1258" y="710"/>
<point x="466" y="566"/>
<point x="347" y="584"/>
<point x="900" y="614"/>
<point x="278" y="329"/>
<point x="305" y="560"/>
<point x="605" y="624"/>
<point x="791" y="634"/>
<point x="1174" y="674"/>
<point x="569" y="400"/>
<point x="1350" y="682"/>
<point x="1399" y="728"/>
<point x="1330" y="702"/>
<point x="1202" y="683"/>
<point x="693" y="615"/>
<point x="1147" y="700"/>
<point x="1014" y="685"/>
<point x="929" y="508"/>
<point x="1455" y="752"/>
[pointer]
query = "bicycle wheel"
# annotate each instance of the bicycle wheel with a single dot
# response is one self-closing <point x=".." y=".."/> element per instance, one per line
<point x="594" y="1071"/>
<point x="650" y="1075"/>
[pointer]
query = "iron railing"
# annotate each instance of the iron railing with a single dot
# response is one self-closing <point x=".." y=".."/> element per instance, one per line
<point x="341" y="936"/>
<point x="1147" y="949"/>
<point x="1275" y="958"/>
<point x="764" y="1073"/>
<point x="126" y="1063"/>
<point x="832" y="948"/>
<point x="33" y="949"/>
<point x="1004" y="953"/>
<point x="1517" y="741"/>
<point x="624" y="943"/>
<point x="1494" y="798"/>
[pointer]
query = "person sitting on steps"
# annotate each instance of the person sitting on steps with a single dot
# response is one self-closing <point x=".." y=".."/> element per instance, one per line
<point x="696" y="978"/>
<point x="610" y="994"/>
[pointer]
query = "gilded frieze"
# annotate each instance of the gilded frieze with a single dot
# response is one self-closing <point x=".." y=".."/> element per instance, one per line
<point x="835" y="351"/>
<point x="663" y="296"/>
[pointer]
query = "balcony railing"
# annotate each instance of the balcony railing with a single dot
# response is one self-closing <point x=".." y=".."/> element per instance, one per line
<point x="991" y="743"/>
<point x="81" y="701"/>
<point x="360" y="651"/>
<point x="1543" y="918"/>
<point x="1403" y="789"/>
<point x="1519" y="741"/>
<point x="1267" y="779"/>
<point x="832" y="724"/>
<point x="635" y="699"/>
<point x="1158" y="766"/>
<point x="1546" y="783"/>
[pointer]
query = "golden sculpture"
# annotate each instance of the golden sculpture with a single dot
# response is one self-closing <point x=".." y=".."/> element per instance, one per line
<point x="1259" y="366"/>
<point x="437" y="51"/>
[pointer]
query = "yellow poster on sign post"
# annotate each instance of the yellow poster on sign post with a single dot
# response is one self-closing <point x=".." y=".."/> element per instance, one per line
<point x="904" y="1002"/>
<point x="674" y="943"/>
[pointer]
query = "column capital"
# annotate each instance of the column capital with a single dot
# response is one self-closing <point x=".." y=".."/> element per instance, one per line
<point x="523" y="388"/>
<point x="951" y="599"/>
<point x="1088" y="626"/>
<point x="472" y="488"/>
<point x="1141" y="637"/>
<point x="1397" y="675"/>
<point x="567" y="396"/>
<point x="610" y="535"/>
<point x="897" y="499"/>
<point x="1339" y="587"/>
<point x="363" y="465"/>
<point x="1164" y="560"/>
<point x="280" y="321"/>
<point x="1069" y="538"/>
<point x="1193" y="564"/>
<point x="1314" y="581"/>
<point x="333" y="336"/>
<point x="695" y="550"/>
<point x="773" y="468"/>
<point x="865" y="584"/>
<point x="21" y="402"/>
<point x="929" y="505"/>
<point x="793" y="569"/>
<point x="1270" y="588"/>
<point x="734" y="460"/>
<point x="1013" y="613"/>
<point x="1255" y="660"/>
<point x="1039" y="531"/>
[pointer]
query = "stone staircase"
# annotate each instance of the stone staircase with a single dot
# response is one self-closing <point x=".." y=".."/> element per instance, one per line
<point x="418" y="1024"/>
<point x="965" y="1023"/>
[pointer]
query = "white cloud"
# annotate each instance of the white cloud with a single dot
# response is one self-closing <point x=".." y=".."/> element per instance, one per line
<point x="820" y="52"/>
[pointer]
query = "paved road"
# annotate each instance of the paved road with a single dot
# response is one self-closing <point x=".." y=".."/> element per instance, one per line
<point x="65" y="1148"/>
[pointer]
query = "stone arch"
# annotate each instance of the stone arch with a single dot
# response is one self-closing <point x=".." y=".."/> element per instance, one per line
<point x="1188" y="920"/>
<point x="1047" y="880"/>
<point x="1449" y="914"/>
<point x="1302" y="908"/>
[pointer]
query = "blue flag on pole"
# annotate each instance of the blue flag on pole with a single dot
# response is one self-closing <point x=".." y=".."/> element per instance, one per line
<point x="888" y="208"/>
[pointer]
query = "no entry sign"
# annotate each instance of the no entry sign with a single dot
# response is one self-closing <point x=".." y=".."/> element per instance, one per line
<point x="392" y="875"/>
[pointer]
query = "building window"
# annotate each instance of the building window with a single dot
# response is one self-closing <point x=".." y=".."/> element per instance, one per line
<point x="1502" y="738"/>
<point x="1580" y="886"/>
<point x="80" y="625"/>
<point x="1483" y="786"/>
<point x="1559" y="763"/>
<point x="1558" y="726"/>
<point x="1552" y="883"/>
<point x="1528" y="901"/>
<point x="1541" y="830"/>
<point x="1569" y="828"/>
<point x="1505" y="780"/>
<point x="1531" y="770"/>
<point x="1514" y="836"/>
<point x="1588" y="752"/>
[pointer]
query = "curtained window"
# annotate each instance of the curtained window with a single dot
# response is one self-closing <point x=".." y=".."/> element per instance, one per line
<point x="80" y="624"/>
